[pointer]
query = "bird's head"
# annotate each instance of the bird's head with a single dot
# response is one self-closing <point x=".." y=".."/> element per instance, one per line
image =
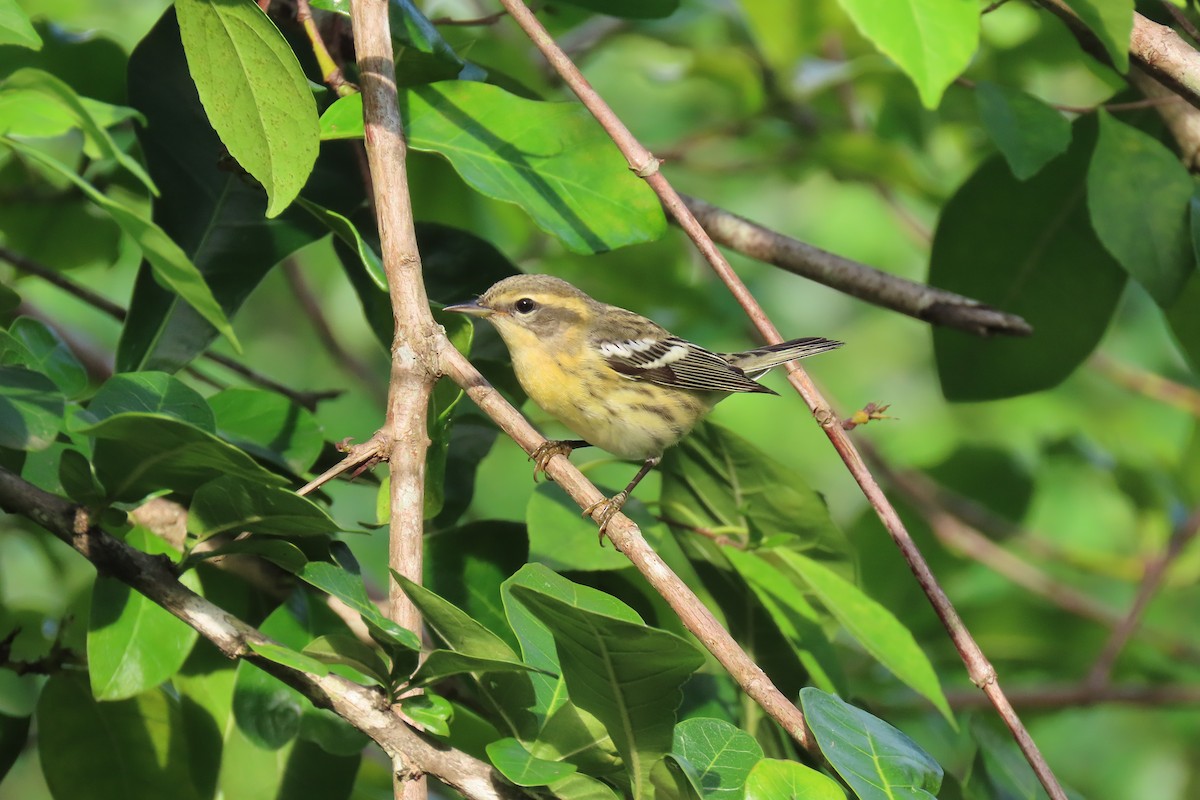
<point x="541" y="306"/>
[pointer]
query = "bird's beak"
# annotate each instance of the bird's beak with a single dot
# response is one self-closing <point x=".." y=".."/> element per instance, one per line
<point x="472" y="309"/>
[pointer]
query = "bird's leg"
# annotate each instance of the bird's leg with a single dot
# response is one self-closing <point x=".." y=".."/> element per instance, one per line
<point x="547" y="450"/>
<point x="609" y="507"/>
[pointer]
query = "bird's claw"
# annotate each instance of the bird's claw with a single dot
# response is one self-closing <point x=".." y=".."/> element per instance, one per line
<point x="608" y="507"/>
<point x="544" y="452"/>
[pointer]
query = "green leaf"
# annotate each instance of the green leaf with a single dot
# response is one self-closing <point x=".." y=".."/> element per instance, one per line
<point x="284" y="555"/>
<point x="100" y="142"/>
<point x="133" y="644"/>
<point x="1028" y="132"/>
<point x="461" y="633"/>
<point x="14" y="731"/>
<point x="582" y="787"/>
<point x="773" y="779"/>
<point x="1150" y="238"/>
<point x="792" y="614"/>
<point x="562" y="539"/>
<point x="142" y="735"/>
<point x="515" y="763"/>
<point x="674" y="779"/>
<point x="232" y="504"/>
<point x="1112" y="22"/>
<point x="15" y="27"/>
<point x="346" y="230"/>
<point x="349" y="651"/>
<point x="878" y="761"/>
<point x="1028" y="248"/>
<point x="214" y="213"/>
<point x="430" y="710"/>
<point x="79" y="480"/>
<point x="348" y="587"/>
<point x="441" y="664"/>
<point x="288" y="657"/>
<point x="1184" y="314"/>
<point x="932" y="41"/>
<point x="254" y="93"/>
<point x="269" y="426"/>
<point x="31" y="409"/>
<point x="875" y="628"/>
<point x="139" y="454"/>
<point x="716" y="479"/>
<point x="150" y="393"/>
<point x="721" y="754"/>
<point x="170" y="264"/>
<point x="467" y="565"/>
<point x="47" y="354"/>
<point x="551" y="159"/>
<point x="626" y="674"/>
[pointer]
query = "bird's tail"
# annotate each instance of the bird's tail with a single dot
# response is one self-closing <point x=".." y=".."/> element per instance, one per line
<point x="757" y="361"/>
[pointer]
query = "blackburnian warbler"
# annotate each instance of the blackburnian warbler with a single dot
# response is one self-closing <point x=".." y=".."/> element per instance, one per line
<point x="619" y="380"/>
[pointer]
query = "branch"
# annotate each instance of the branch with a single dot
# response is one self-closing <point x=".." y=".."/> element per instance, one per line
<point x="1156" y="49"/>
<point x="645" y="165"/>
<point x="917" y="300"/>
<point x="363" y="707"/>
<point x="1052" y="697"/>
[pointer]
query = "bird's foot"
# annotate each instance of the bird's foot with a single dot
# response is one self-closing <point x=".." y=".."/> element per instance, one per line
<point x="547" y="450"/>
<point x="608" y="508"/>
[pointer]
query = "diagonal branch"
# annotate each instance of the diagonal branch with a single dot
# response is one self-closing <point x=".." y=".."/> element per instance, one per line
<point x="363" y="707"/>
<point x="645" y="165"/>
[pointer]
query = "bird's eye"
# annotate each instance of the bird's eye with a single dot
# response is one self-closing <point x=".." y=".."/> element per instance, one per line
<point x="524" y="305"/>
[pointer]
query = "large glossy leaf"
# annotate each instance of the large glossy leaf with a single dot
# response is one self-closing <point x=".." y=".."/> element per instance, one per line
<point x="150" y="393"/>
<point x="349" y="588"/>
<point x="552" y="159"/>
<point x="269" y="426"/>
<point x="467" y="566"/>
<point x="931" y="40"/>
<point x="1028" y="248"/>
<point x="878" y="761"/>
<point x="31" y="409"/>
<point x="231" y="504"/>
<point x="721" y="754"/>
<point x="254" y="92"/>
<point x="169" y="264"/>
<point x="134" y="644"/>
<point x="144" y="735"/>
<point x="1112" y="22"/>
<point x="875" y="628"/>
<point x="515" y="763"/>
<point x="1028" y="132"/>
<point x="46" y="353"/>
<point x="1151" y="238"/>
<point x="1184" y="315"/>
<point x="773" y="779"/>
<point x="138" y="454"/>
<point x="626" y="674"/>
<point x="214" y="214"/>
<point x="459" y="631"/>
<point x="717" y="480"/>
<point x="14" y="734"/>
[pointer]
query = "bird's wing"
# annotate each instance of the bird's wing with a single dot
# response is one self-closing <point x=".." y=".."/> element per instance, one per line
<point x="677" y="363"/>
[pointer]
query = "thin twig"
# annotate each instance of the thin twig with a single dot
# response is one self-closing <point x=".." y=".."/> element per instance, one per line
<point x="331" y="72"/>
<point x="707" y="533"/>
<point x="927" y="303"/>
<point x="1045" y="698"/>
<point x="490" y="19"/>
<point x="643" y="163"/>
<point x="1156" y="571"/>
<point x="1148" y="384"/>
<point x="1182" y="20"/>
<point x="307" y="400"/>
<point x="311" y="306"/>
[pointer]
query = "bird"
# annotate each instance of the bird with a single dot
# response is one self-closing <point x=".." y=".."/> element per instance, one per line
<point x="617" y="379"/>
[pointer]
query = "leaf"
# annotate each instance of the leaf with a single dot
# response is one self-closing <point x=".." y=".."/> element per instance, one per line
<point x="878" y="761"/>
<point x="773" y="779"/>
<point x="674" y="779"/>
<point x="49" y="355"/>
<point x="31" y="409"/>
<point x="150" y="393"/>
<point x="582" y="787"/>
<point x="215" y="215"/>
<point x="1028" y="248"/>
<point x="134" y="644"/>
<point x="269" y="426"/>
<point x="551" y="159"/>
<point x="1150" y="238"/>
<point x="231" y="504"/>
<point x="626" y="674"/>
<point x="15" y="27"/>
<point x="716" y="479"/>
<point x="721" y="754"/>
<point x="143" y="735"/>
<point x="254" y="93"/>
<point x="461" y="633"/>
<point x="14" y="731"/>
<point x="1184" y="315"/>
<point x="1112" y="22"/>
<point x="284" y="555"/>
<point x="515" y="763"/>
<point x="873" y="626"/>
<point x="932" y="41"/>
<point x="349" y="651"/>
<point x="170" y="264"/>
<point x="289" y="658"/>
<point x="1028" y="132"/>
<point x="430" y="710"/>
<point x="139" y="454"/>
<point x="346" y="230"/>
<point x="348" y="587"/>
<point x="562" y="539"/>
<point x="441" y="664"/>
